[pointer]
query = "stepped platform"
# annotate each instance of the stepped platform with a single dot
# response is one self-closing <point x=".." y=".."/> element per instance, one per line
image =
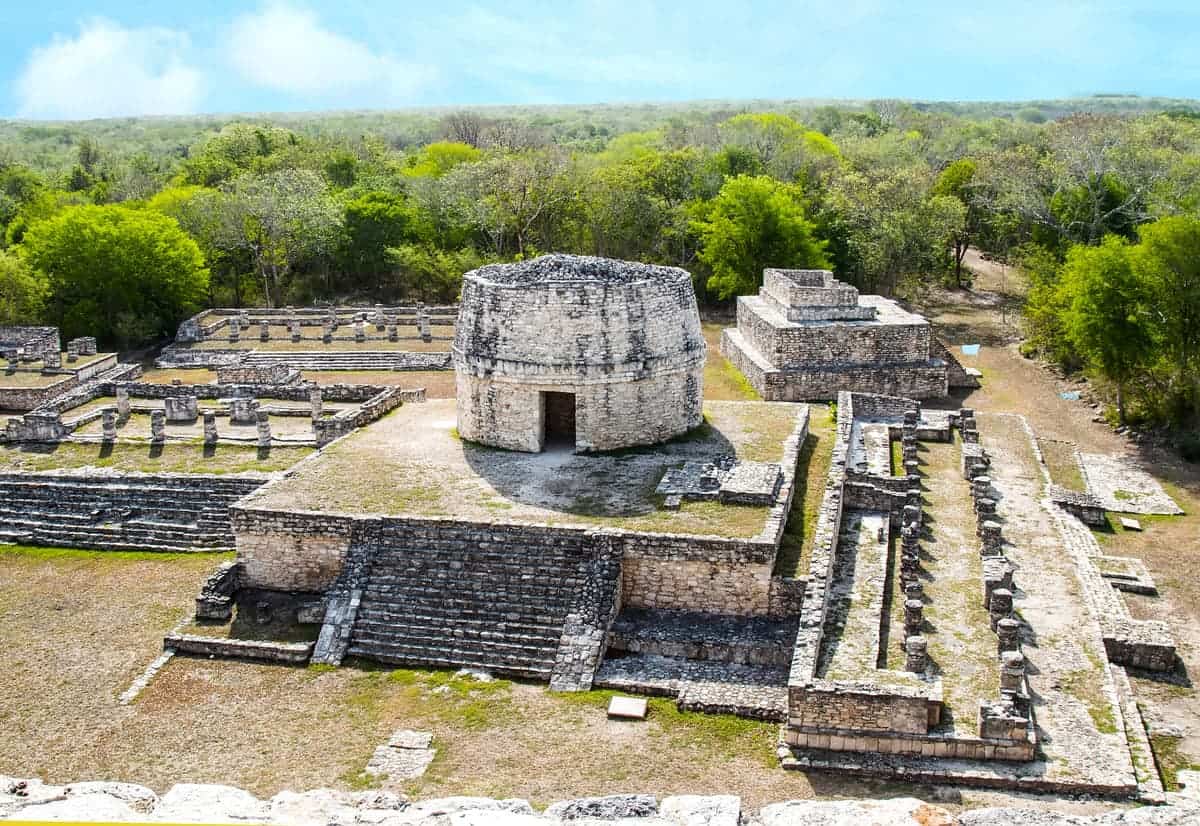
<point x="502" y="606"/>
<point x="126" y="512"/>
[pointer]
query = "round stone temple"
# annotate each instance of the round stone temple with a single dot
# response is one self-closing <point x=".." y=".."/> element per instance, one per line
<point x="590" y="353"/>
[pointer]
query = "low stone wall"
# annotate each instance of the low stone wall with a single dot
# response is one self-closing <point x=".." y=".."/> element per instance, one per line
<point x="29" y="398"/>
<point x="282" y="653"/>
<point x="920" y="380"/>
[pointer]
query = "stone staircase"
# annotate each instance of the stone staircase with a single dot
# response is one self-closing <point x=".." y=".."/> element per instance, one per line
<point x="145" y="513"/>
<point x="349" y="360"/>
<point x="497" y="605"/>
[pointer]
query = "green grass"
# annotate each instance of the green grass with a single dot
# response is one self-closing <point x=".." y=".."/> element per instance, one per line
<point x="38" y="553"/>
<point x="723" y="733"/>
<point x="897" y="457"/>
<point x="1170" y="760"/>
<point x="812" y="468"/>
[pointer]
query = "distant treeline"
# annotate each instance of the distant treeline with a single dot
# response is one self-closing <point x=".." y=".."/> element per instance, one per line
<point x="121" y="227"/>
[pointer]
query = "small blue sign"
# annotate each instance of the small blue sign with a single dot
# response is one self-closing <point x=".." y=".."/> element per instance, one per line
<point x="970" y="349"/>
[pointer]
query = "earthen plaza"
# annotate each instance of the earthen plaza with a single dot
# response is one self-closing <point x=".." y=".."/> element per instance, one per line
<point x="579" y="514"/>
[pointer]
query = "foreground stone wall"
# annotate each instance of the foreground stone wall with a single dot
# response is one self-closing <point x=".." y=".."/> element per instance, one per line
<point x="31" y="799"/>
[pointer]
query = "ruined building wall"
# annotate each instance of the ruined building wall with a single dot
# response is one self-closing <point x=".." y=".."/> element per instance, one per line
<point x="625" y="338"/>
<point x="508" y="414"/>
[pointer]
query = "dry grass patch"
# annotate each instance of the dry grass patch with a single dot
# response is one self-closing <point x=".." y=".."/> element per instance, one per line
<point x="187" y="375"/>
<point x="1063" y="463"/>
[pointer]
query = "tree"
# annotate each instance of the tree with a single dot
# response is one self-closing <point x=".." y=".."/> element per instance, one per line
<point x="374" y="222"/>
<point x="125" y="275"/>
<point x="1168" y="258"/>
<point x="436" y="159"/>
<point x="754" y="223"/>
<point x="22" y="291"/>
<point x="955" y="182"/>
<point x="1107" y="316"/>
<point x="279" y="218"/>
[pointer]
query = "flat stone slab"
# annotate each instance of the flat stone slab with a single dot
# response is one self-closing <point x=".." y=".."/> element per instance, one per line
<point x="405" y="756"/>
<point x="408" y="739"/>
<point x="1122" y="487"/>
<point x="627" y="708"/>
<point x="1130" y="524"/>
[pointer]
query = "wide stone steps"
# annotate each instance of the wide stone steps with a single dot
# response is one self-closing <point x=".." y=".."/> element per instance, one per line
<point x="121" y="512"/>
<point x="448" y="656"/>
<point x="479" y="626"/>
<point x="488" y="603"/>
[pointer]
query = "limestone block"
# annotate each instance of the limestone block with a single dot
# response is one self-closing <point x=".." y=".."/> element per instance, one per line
<point x="702" y="810"/>
<point x="202" y="803"/>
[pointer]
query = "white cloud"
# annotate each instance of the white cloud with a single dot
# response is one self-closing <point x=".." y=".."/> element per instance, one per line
<point x="285" y="48"/>
<point x="109" y="71"/>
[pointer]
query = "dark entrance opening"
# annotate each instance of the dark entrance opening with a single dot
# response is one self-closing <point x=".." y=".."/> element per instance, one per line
<point x="559" y="419"/>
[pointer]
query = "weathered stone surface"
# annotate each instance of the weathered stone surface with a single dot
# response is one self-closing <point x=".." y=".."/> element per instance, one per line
<point x="91" y="807"/>
<point x="203" y="803"/>
<point x="534" y="356"/>
<point x="702" y="810"/>
<point x="611" y="807"/>
<point x="900" y="811"/>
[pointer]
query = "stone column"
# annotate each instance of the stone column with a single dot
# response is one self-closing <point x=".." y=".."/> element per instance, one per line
<point x="1012" y="672"/>
<point x="158" y="426"/>
<point x="235" y="330"/>
<point x="380" y="318"/>
<point x="72" y="351"/>
<point x="123" y="403"/>
<point x="392" y="333"/>
<point x="912" y="515"/>
<point x="294" y="330"/>
<point x="210" y="427"/>
<point x="360" y="332"/>
<point x="914" y="617"/>
<point x="423" y="327"/>
<point x="991" y="538"/>
<point x="981" y="488"/>
<point x="1000" y="607"/>
<point x="314" y="399"/>
<point x="916" y="654"/>
<point x="912" y="467"/>
<point x="327" y="334"/>
<point x="52" y="359"/>
<point x="264" y="429"/>
<point x="1008" y="632"/>
<point x="13" y="364"/>
<point x="264" y="331"/>
<point x="108" y="424"/>
<point x="87" y="346"/>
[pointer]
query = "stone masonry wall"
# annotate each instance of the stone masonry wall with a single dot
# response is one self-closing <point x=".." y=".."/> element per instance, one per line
<point x="290" y="551"/>
<point x="833" y="344"/>
<point x="505" y="414"/>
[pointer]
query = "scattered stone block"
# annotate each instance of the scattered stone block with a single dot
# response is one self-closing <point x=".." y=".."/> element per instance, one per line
<point x="627" y="708"/>
<point x="1130" y="524"/>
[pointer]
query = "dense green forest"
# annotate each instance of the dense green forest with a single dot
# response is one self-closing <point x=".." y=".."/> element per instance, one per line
<point x="121" y="227"/>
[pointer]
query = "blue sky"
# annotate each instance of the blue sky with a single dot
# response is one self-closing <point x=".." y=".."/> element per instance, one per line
<point x="71" y="59"/>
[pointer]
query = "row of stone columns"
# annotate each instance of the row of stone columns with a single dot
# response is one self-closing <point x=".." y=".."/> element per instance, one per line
<point x="997" y="587"/>
<point x="916" y="647"/>
<point x="381" y="321"/>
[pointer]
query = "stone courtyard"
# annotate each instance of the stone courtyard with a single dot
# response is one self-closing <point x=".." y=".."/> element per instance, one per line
<point x="579" y="516"/>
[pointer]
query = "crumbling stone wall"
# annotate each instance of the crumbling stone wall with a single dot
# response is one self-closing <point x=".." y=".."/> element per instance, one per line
<point x="623" y="337"/>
